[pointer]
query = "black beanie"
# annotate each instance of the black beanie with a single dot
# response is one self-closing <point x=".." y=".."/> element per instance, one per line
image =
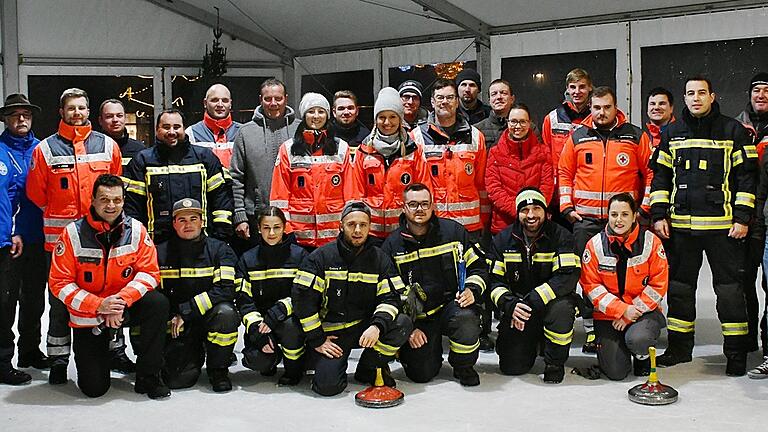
<point x="760" y="79"/>
<point x="468" y="75"/>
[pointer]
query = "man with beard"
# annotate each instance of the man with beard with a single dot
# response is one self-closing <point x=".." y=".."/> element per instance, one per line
<point x="61" y="176"/>
<point x="357" y="289"/>
<point x="173" y="169"/>
<point x="502" y="99"/>
<point x="534" y="271"/>
<point x="216" y="130"/>
<point x="429" y="251"/>
<point x="471" y="107"/>
<point x="347" y="127"/>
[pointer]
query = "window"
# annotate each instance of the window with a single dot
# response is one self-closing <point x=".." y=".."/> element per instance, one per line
<point x="189" y="92"/>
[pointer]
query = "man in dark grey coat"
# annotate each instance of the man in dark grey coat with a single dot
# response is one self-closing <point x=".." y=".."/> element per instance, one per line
<point x="255" y="152"/>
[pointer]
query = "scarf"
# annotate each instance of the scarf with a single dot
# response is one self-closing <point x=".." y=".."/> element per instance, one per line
<point x="218" y="127"/>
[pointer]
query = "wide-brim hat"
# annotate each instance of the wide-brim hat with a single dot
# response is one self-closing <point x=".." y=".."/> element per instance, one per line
<point x="18" y="100"/>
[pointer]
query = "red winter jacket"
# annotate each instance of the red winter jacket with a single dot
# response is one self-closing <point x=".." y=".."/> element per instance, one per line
<point x="513" y="165"/>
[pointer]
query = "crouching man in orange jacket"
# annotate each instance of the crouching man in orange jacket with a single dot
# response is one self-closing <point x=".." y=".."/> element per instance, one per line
<point x="103" y="267"/>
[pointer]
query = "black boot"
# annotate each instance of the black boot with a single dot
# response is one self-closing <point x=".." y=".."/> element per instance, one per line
<point x="121" y="363"/>
<point x="486" y="344"/>
<point x="11" y="376"/>
<point x="151" y="385"/>
<point x="736" y="364"/>
<point x="366" y="375"/>
<point x="680" y="350"/>
<point x="34" y="359"/>
<point x="467" y="376"/>
<point x="554" y="374"/>
<point x="58" y="374"/>
<point x="590" y="345"/>
<point x="290" y="378"/>
<point x="641" y="367"/>
<point x="219" y="379"/>
<point x="672" y="357"/>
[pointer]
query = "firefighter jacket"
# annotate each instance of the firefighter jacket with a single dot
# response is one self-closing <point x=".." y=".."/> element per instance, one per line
<point x="705" y="173"/>
<point x="534" y="271"/>
<point x="263" y="280"/>
<point x="196" y="275"/>
<point x="456" y="165"/>
<point x="596" y="165"/>
<point x="619" y="272"/>
<point x="161" y="175"/>
<point x="217" y="135"/>
<point x="513" y="165"/>
<point x="129" y="147"/>
<point x="757" y="125"/>
<point x="311" y="190"/>
<point x="62" y="172"/>
<point x="433" y="261"/>
<point x="338" y="287"/>
<point x="558" y="126"/>
<point x="380" y="180"/>
<point x="93" y="260"/>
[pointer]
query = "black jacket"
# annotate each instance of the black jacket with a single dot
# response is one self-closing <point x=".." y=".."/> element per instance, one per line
<point x="159" y="176"/>
<point x="546" y="269"/>
<point x="433" y="261"/>
<point x="263" y="280"/>
<point x="129" y="148"/>
<point x="704" y="173"/>
<point x="757" y="125"/>
<point x="196" y="275"/>
<point x="338" y="287"/>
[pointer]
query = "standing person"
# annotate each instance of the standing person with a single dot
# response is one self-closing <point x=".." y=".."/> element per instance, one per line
<point x="387" y="162"/>
<point x="518" y="160"/>
<point x="755" y="119"/>
<point x="263" y="279"/>
<point x="533" y="277"/>
<point x="468" y="89"/>
<point x="255" y="152"/>
<point x="561" y="122"/>
<point x="112" y="122"/>
<point x="606" y="155"/>
<point x="357" y="289"/>
<point x="173" y="169"/>
<point x="197" y="274"/>
<point x="62" y="172"/>
<point x="502" y="98"/>
<point x="625" y="275"/>
<point x="26" y="278"/>
<point x="312" y="178"/>
<point x="702" y="200"/>
<point x="216" y="130"/>
<point x="104" y="268"/>
<point x="413" y="113"/>
<point x="427" y="250"/>
<point x="345" y="120"/>
<point x="661" y="112"/>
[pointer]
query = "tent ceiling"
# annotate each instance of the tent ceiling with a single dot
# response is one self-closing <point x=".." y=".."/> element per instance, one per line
<point x="314" y="27"/>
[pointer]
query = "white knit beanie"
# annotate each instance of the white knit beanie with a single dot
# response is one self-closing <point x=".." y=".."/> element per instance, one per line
<point x="312" y="100"/>
<point x="388" y="100"/>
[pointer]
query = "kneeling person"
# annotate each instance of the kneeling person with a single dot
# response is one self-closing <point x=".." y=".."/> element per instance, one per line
<point x="264" y="277"/>
<point x="103" y="268"/>
<point x="427" y="250"/>
<point x="534" y="271"/>
<point x="197" y="274"/>
<point x="346" y="295"/>
<point x="625" y="275"/>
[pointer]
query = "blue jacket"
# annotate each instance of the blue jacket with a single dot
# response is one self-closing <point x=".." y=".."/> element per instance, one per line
<point x="29" y="220"/>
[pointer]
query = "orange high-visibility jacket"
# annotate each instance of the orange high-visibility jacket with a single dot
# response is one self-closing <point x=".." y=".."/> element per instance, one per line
<point x="82" y="277"/>
<point x="456" y="165"/>
<point x="591" y="170"/>
<point x="311" y="190"/>
<point x="62" y="172"/>
<point x="380" y="181"/>
<point x="646" y="279"/>
<point x="556" y="129"/>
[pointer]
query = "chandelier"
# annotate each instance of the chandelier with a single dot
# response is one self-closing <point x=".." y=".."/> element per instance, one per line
<point x="215" y="60"/>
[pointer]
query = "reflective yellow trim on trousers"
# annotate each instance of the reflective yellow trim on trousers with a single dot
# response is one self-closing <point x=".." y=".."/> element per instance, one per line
<point x="680" y="326"/>
<point x="497" y="293"/>
<point x="558" y="338"/>
<point x="310" y="323"/>
<point x="734" y="329"/>
<point x="464" y="349"/>
<point x="222" y="339"/>
<point x="388" y="309"/>
<point x="330" y="327"/>
<point x="292" y="354"/>
<point x="203" y="302"/>
<point x="384" y="349"/>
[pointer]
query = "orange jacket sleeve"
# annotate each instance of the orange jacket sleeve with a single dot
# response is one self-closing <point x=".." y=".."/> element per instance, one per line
<point x="37" y="179"/>
<point x="594" y="287"/>
<point x="658" y="279"/>
<point x="62" y="279"/>
<point x="147" y="272"/>
<point x="566" y="175"/>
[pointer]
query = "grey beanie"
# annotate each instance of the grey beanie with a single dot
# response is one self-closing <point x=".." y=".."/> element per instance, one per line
<point x="388" y="100"/>
<point x="355" y="206"/>
<point x="312" y="100"/>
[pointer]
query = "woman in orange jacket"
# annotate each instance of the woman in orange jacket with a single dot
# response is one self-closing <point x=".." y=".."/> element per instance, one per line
<point x="312" y="178"/>
<point x="625" y="275"/>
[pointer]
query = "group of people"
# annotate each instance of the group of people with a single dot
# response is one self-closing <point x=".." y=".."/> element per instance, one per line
<point x="320" y="236"/>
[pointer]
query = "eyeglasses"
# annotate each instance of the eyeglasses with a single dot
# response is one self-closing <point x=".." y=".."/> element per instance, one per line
<point x="409" y="97"/>
<point x="415" y="205"/>
<point x="20" y="114"/>
<point x="518" y="122"/>
<point x="440" y="98"/>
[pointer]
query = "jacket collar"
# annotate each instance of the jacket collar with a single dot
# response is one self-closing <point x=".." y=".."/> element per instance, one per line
<point x="17" y="142"/>
<point x="74" y="133"/>
<point x="621" y="118"/>
<point x="626" y="243"/>
<point x="217" y="126"/>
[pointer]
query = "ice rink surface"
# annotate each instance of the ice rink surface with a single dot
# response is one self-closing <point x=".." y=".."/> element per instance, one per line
<point x="709" y="401"/>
